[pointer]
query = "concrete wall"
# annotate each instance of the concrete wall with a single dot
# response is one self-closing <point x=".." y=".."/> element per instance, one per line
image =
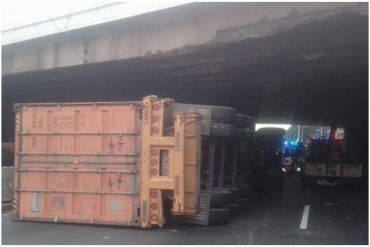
<point x="164" y="31"/>
<point x="6" y="184"/>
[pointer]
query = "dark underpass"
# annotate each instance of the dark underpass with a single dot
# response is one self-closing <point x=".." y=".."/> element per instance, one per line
<point x="314" y="73"/>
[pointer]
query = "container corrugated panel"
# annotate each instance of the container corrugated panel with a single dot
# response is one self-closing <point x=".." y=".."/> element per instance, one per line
<point x="78" y="162"/>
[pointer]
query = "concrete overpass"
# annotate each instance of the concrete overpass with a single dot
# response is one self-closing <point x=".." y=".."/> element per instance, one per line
<point x="285" y="62"/>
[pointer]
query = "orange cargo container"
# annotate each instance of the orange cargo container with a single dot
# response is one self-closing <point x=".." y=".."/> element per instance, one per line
<point x="105" y="163"/>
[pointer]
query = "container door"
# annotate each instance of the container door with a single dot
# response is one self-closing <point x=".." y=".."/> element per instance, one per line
<point x="77" y="163"/>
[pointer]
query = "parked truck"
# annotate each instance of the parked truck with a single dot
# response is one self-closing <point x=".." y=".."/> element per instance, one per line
<point x="128" y="163"/>
<point x="330" y="161"/>
<point x="267" y="165"/>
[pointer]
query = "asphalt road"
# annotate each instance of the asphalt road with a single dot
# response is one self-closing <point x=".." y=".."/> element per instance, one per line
<point x="335" y="216"/>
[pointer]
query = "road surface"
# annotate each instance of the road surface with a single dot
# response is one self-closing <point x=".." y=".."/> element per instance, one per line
<point x="328" y="215"/>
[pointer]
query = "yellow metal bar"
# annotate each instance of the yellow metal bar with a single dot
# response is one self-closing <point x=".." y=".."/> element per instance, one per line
<point x="162" y="141"/>
<point x="178" y="163"/>
<point x="145" y="160"/>
<point x="183" y="174"/>
<point x="192" y="162"/>
<point x="162" y="183"/>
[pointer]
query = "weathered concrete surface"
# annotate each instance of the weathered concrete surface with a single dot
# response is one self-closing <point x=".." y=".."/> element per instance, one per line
<point x="312" y="73"/>
<point x="6" y="184"/>
<point x="175" y="29"/>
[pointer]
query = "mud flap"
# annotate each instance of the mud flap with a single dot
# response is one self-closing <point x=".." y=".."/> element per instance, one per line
<point x="202" y="217"/>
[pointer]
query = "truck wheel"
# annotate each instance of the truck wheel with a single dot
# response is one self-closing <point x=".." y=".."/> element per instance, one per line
<point x="219" y="198"/>
<point x="241" y="134"/>
<point x="224" y="114"/>
<point x="244" y="121"/>
<point x="241" y="120"/>
<point x="233" y="209"/>
<point x="218" y="216"/>
<point x="234" y="193"/>
<point x="218" y="113"/>
<point x="244" y="203"/>
<point x="245" y="190"/>
<point x="222" y="130"/>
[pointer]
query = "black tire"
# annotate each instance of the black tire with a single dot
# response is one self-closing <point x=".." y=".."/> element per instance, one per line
<point x="233" y="209"/>
<point x="222" y="130"/>
<point x="244" y="203"/>
<point x="218" y="216"/>
<point x="245" y="190"/>
<point x="241" y="120"/>
<point x="234" y="193"/>
<point x="239" y="134"/>
<point x="219" y="198"/>
<point x="224" y="114"/>
<point x="242" y="134"/>
<point x="244" y="121"/>
<point x="217" y="113"/>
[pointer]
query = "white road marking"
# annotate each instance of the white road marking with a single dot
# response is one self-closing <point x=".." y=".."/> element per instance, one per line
<point x="304" y="219"/>
<point x="7" y="213"/>
<point x="250" y="237"/>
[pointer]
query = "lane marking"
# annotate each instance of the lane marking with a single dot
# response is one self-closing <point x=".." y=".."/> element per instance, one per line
<point x="306" y="212"/>
<point x="250" y="237"/>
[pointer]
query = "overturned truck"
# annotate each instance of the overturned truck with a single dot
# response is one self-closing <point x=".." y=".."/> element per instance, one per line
<point x="130" y="163"/>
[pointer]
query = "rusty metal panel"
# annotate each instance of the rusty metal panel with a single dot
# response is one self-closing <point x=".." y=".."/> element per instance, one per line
<point x="78" y="162"/>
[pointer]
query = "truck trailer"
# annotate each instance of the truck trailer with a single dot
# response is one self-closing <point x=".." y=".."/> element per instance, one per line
<point x="135" y="163"/>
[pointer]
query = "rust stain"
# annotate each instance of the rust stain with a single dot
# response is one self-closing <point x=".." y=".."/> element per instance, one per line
<point x="120" y="142"/>
<point x="119" y="180"/>
<point x="110" y="184"/>
<point x="58" y="203"/>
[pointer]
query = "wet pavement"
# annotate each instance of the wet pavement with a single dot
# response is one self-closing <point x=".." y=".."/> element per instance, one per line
<point x="335" y="215"/>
